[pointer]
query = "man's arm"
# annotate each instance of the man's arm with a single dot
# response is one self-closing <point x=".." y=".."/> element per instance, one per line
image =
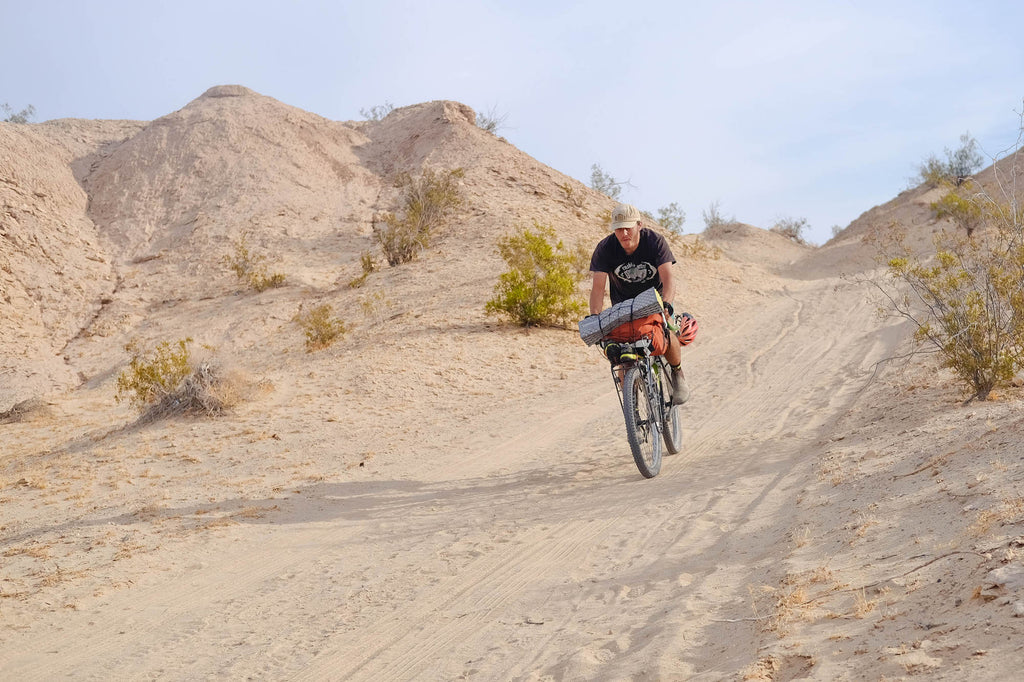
<point x="597" y="287"/>
<point x="668" y="289"/>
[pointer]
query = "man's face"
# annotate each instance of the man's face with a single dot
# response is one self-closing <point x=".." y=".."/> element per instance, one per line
<point x="629" y="237"/>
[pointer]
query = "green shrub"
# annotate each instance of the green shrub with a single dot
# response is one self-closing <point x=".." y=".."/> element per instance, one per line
<point x="962" y="210"/>
<point x="320" y="326"/>
<point x="541" y="286"/>
<point x="251" y="268"/>
<point x="671" y="218"/>
<point x="426" y="204"/>
<point x="959" y="165"/>
<point x="967" y="302"/>
<point x="170" y="380"/>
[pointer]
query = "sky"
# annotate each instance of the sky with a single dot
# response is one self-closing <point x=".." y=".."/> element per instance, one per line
<point x="815" y="110"/>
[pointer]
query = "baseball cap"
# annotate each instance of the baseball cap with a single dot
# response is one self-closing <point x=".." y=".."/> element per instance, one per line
<point x="624" y="215"/>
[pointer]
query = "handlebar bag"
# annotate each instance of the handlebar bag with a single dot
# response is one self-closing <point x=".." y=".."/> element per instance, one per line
<point x="651" y="327"/>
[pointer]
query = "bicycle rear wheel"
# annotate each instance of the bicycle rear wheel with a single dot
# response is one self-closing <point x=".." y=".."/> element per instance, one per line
<point x="641" y="424"/>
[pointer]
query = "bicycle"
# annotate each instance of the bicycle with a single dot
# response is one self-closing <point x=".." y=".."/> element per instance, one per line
<point x="645" y="395"/>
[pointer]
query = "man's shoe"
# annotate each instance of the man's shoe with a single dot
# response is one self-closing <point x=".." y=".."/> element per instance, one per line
<point x="680" y="391"/>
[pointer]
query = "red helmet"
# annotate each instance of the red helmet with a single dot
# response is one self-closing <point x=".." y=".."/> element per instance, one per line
<point x="687" y="329"/>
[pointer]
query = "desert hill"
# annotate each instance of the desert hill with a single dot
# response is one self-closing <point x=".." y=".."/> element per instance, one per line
<point x="156" y="207"/>
<point x="439" y="494"/>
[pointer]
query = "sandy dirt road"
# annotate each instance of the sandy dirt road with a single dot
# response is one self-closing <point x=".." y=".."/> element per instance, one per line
<point x="530" y="551"/>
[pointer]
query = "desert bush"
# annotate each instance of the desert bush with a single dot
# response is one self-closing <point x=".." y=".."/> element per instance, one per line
<point x="24" y="116"/>
<point x="170" y="380"/>
<point x="605" y="183"/>
<point x="699" y="249"/>
<point x="251" y="268"/>
<point x="960" y="208"/>
<point x="492" y="121"/>
<point x="320" y="326"/>
<point x="377" y="112"/>
<point x="792" y="228"/>
<point x="426" y="204"/>
<point x="713" y="216"/>
<point x="671" y="218"/>
<point x="967" y="303"/>
<point x="377" y="307"/>
<point x="959" y="164"/>
<point x="541" y="286"/>
<point x="369" y="265"/>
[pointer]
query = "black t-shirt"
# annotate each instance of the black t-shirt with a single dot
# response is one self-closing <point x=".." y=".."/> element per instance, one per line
<point x="631" y="275"/>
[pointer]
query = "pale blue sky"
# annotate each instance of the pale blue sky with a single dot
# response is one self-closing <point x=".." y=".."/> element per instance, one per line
<point x="810" y="109"/>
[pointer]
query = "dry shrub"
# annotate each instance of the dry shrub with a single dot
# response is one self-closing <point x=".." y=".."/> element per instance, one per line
<point x="778" y="608"/>
<point x="791" y="228"/>
<point x="699" y="249"/>
<point x="426" y="204"/>
<point x="169" y="380"/>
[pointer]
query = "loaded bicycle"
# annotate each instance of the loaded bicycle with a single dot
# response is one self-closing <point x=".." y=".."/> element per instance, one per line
<point x="634" y="336"/>
<point x="645" y="394"/>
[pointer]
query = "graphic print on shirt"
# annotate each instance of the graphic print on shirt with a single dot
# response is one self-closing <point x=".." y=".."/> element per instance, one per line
<point x="636" y="272"/>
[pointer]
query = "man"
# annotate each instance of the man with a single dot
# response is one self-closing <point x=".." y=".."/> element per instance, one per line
<point x="633" y="259"/>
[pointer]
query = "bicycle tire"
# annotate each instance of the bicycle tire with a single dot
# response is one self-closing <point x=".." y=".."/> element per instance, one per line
<point x="641" y="425"/>
<point x="671" y="425"/>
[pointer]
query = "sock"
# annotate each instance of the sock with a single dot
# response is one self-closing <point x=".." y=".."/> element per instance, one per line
<point x="677" y="368"/>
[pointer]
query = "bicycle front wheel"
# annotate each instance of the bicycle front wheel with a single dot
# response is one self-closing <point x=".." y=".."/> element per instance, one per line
<point x="641" y="422"/>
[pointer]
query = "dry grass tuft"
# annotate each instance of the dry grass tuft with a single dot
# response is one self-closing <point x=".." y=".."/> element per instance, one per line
<point x="33" y="550"/>
<point x="1010" y="511"/>
<point x="781" y="607"/>
<point x="763" y="670"/>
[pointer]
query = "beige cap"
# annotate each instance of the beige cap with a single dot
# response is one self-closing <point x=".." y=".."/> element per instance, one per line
<point x="625" y="215"/>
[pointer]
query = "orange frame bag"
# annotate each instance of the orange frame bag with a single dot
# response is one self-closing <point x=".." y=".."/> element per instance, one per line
<point x="651" y="327"/>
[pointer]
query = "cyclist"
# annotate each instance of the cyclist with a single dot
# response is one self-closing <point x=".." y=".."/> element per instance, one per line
<point x="631" y="260"/>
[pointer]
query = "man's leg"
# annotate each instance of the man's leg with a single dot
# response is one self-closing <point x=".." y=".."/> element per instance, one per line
<point x="680" y="391"/>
